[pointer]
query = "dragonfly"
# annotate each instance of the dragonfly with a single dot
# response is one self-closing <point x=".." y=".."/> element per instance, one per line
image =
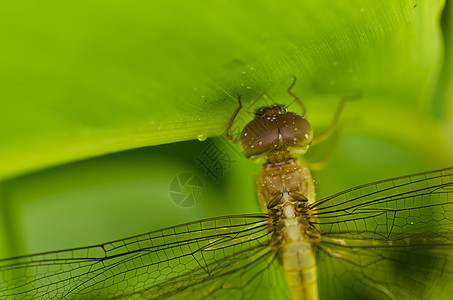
<point x="390" y="239"/>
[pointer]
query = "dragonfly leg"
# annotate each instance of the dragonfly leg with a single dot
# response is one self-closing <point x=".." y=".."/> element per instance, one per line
<point x="333" y="131"/>
<point x="230" y="123"/>
<point x="297" y="99"/>
<point x="325" y="135"/>
<point x="319" y="165"/>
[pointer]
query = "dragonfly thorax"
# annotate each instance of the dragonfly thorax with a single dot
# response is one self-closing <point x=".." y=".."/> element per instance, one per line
<point x="285" y="182"/>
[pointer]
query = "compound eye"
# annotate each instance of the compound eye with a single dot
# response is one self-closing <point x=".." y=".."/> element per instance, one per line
<point x="296" y="131"/>
<point x="260" y="136"/>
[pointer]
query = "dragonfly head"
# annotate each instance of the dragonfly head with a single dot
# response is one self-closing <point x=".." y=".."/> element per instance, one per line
<point x="274" y="128"/>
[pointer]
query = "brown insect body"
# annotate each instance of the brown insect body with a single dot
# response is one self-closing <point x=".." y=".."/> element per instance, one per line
<point x="285" y="188"/>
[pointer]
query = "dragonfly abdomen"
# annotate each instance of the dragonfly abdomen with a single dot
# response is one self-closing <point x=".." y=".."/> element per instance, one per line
<point x="297" y="254"/>
<point x="300" y="268"/>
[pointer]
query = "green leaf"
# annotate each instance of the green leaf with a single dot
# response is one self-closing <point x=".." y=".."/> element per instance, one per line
<point x="95" y="78"/>
<point x="87" y="79"/>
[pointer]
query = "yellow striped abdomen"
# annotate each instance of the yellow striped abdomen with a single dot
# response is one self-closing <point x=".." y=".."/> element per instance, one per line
<point x="300" y="267"/>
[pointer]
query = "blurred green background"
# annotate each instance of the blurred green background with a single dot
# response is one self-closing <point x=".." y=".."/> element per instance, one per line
<point x="102" y="104"/>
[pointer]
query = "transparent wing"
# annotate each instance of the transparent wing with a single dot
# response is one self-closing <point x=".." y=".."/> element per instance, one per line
<point x="223" y="253"/>
<point x="392" y="239"/>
